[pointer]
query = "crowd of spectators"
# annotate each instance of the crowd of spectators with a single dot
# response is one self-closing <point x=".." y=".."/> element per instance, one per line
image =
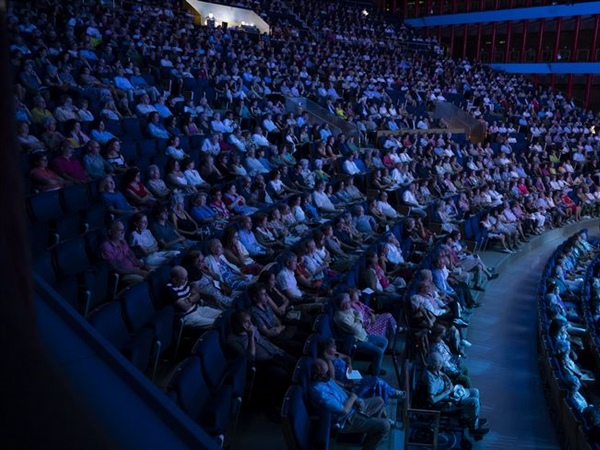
<point x="185" y="130"/>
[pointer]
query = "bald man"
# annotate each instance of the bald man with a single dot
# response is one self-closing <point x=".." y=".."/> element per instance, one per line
<point x="185" y="298"/>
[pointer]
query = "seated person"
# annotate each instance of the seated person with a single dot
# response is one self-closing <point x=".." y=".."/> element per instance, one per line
<point x="144" y="244"/>
<point x="349" y="321"/>
<point x="444" y="395"/>
<point x="274" y="367"/>
<point x="287" y="337"/>
<point x="43" y="178"/>
<point x="115" y="201"/>
<point x="340" y="366"/>
<point x="135" y="190"/>
<point x="165" y="233"/>
<point x="350" y="414"/>
<point x="185" y="298"/>
<point x="208" y="287"/>
<point x="120" y="257"/>
<point x="156" y="184"/>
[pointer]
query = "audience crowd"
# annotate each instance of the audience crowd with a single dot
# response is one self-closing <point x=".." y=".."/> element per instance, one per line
<point x="185" y="135"/>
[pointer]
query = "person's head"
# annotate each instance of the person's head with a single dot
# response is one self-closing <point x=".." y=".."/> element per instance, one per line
<point x="258" y="294"/>
<point x="107" y="184"/>
<point x="215" y="247"/>
<point x="435" y="362"/>
<point x="113" y="145"/>
<point x="342" y="301"/>
<point x="241" y="321"/>
<point x="246" y="222"/>
<point x="93" y="147"/>
<point x="116" y="231"/>
<point x="140" y="221"/>
<point x="290" y="261"/>
<point x="66" y="148"/>
<point x="39" y="160"/>
<point x="179" y="276"/>
<point x="319" y="370"/>
<point x="326" y="347"/>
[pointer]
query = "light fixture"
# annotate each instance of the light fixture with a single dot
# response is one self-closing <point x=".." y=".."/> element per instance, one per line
<point x="251" y="24"/>
<point x="211" y="16"/>
<point x="243" y="23"/>
<point x="365" y="12"/>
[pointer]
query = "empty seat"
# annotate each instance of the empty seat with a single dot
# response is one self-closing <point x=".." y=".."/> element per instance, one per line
<point x="44" y="206"/>
<point x="139" y="312"/>
<point x="75" y="198"/>
<point x="210" y="409"/>
<point x="136" y="347"/>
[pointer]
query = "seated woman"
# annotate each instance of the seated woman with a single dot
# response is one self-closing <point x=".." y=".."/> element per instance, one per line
<point x="43" y="178"/>
<point x="135" y="190"/>
<point x="217" y="203"/>
<point x="381" y="324"/>
<point x="156" y="130"/>
<point x="100" y="134"/>
<point x="203" y="214"/>
<point x="340" y="366"/>
<point x="112" y="154"/>
<point x="174" y="150"/>
<point x="287" y="337"/>
<point x="303" y="315"/>
<point x="235" y="203"/>
<point x="191" y="174"/>
<point x="183" y="222"/>
<point x="75" y="134"/>
<point x="145" y="246"/>
<point x="115" y="201"/>
<point x="386" y="288"/>
<point x="493" y="232"/>
<point x="276" y="187"/>
<point x="199" y="275"/>
<point x="165" y="233"/>
<point x="209" y="171"/>
<point x="28" y="142"/>
<point x="51" y="137"/>
<point x="223" y="270"/>
<point x="264" y="232"/>
<point x="156" y="185"/>
<point x="290" y="221"/>
<point x="176" y="179"/>
<point x="237" y="254"/>
<point x="348" y="320"/>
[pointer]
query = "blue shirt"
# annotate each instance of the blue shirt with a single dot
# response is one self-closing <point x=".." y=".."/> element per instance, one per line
<point x="252" y="245"/>
<point x="330" y="396"/>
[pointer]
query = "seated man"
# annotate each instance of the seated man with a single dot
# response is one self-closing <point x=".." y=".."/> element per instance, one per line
<point x="350" y="414"/>
<point x="287" y="283"/>
<point x="185" y="297"/>
<point x="444" y="395"/>
<point x="120" y="256"/>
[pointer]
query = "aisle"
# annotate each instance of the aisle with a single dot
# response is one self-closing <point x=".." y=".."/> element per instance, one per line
<point x="503" y="359"/>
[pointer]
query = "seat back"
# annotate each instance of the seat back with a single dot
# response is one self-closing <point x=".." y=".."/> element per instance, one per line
<point x="296" y="423"/>
<point x="137" y="305"/>
<point x="71" y="257"/>
<point x="75" y="198"/>
<point x="193" y="395"/>
<point x="108" y="320"/>
<point x="208" y="349"/>
<point x="44" y="206"/>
